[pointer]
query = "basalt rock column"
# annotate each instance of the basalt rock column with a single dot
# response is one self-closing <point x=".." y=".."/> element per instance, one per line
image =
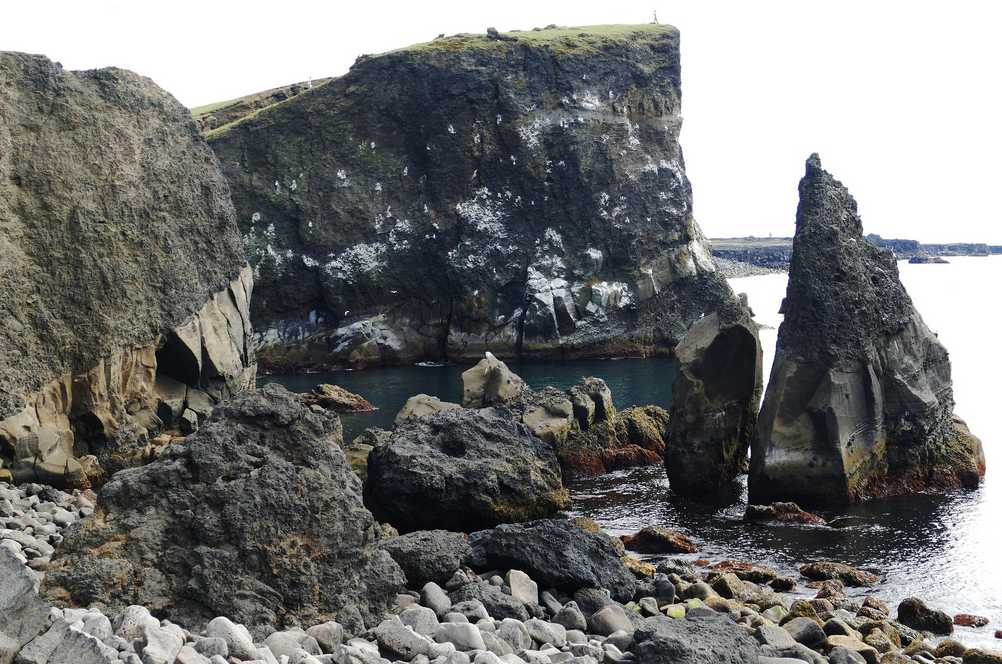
<point x="860" y="399"/>
<point x="715" y="401"/>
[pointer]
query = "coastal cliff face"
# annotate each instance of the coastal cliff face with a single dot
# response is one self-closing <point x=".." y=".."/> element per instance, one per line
<point x="522" y="193"/>
<point x="124" y="294"/>
<point x="860" y="399"/>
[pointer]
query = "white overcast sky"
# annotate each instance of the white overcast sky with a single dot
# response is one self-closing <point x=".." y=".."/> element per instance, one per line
<point x="901" y="99"/>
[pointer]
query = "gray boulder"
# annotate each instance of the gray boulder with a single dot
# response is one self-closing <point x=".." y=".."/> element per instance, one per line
<point x="23" y="614"/>
<point x="556" y="553"/>
<point x="462" y="470"/>
<point x="429" y="555"/>
<point x="707" y="639"/>
<point x="257" y="516"/>
<point x="715" y="401"/>
<point x="860" y="399"/>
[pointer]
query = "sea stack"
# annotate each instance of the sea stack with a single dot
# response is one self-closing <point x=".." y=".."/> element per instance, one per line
<point x="124" y="292"/>
<point x="520" y="193"/>
<point x="860" y="399"/>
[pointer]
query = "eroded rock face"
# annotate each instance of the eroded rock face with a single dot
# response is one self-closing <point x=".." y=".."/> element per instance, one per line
<point x="462" y="470"/>
<point x="257" y="517"/>
<point x="860" y="400"/>
<point x="120" y="267"/>
<point x="715" y="401"/>
<point x="516" y="195"/>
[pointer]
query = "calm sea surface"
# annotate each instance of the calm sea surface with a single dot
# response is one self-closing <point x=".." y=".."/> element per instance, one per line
<point x="944" y="549"/>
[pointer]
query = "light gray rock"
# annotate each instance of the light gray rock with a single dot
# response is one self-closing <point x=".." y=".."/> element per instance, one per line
<point x="421" y="619"/>
<point x="771" y="635"/>
<point x="496" y="644"/>
<point x="523" y="588"/>
<point x="400" y="641"/>
<point x="212" y="645"/>
<point x="291" y="640"/>
<point x="435" y="598"/>
<point x="570" y="616"/>
<point x="454" y="617"/>
<point x="609" y="619"/>
<point x="98" y="626"/>
<point x="515" y="634"/>
<point x="543" y="632"/>
<point x="75" y="647"/>
<point x="329" y="636"/>
<point x="462" y="635"/>
<point x="806" y="631"/>
<point x="188" y="655"/>
<point x="23" y="615"/>
<point x="160" y="645"/>
<point x="238" y="639"/>
<point x="473" y="609"/>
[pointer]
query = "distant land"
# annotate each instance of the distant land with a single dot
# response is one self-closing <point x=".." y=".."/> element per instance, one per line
<point x="743" y="256"/>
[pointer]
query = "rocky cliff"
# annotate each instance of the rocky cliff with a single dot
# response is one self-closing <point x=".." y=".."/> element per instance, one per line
<point x="124" y="294"/>
<point x="522" y="193"/>
<point x="860" y="399"/>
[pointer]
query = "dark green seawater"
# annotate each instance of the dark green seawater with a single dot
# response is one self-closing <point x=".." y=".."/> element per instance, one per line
<point x="633" y="382"/>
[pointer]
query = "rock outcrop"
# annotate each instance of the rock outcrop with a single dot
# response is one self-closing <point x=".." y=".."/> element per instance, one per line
<point x="715" y="401"/>
<point x="462" y="470"/>
<point x="257" y="516"/>
<point x="524" y="194"/>
<point x="124" y="292"/>
<point x="860" y="399"/>
<point x="337" y="399"/>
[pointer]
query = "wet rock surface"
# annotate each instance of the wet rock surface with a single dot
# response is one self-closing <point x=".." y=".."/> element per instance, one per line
<point x="860" y="399"/>
<point x="257" y="517"/>
<point x="516" y="195"/>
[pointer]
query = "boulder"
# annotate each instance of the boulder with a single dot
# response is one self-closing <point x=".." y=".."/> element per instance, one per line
<point x="108" y="291"/>
<point x="715" y="401"/>
<point x="423" y="405"/>
<point x="549" y="415"/>
<point x="337" y="399"/>
<point x="429" y="555"/>
<point x="913" y="613"/>
<point x="257" y="517"/>
<point x="825" y="570"/>
<point x="658" y="539"/>
<point x="782" y="513"/>
<point x="23" y="614"/>
<point x="490" y="382"/>
<point x="706" y="639"/>
<point x="632" y="437"/>
<point x="462" y="470"/>
<point x="860" y="398"/>
<point x="556" y="554"/>
<point x="592" y="401"/>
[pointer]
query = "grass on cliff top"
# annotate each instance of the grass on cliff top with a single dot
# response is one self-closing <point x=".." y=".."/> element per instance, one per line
<point x="559" y="39"/>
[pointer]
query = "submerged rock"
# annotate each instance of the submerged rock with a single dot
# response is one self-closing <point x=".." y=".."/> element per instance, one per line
<point x="557" y="554"/>
<point x="521" y="195"/>
<point x="462" y="470"/>
<point x="782" y="513"/>
<point x="257" y="517"/>
<point x="715" y="401"/>
<point x="860" y="400"/>
<point x="124" y="292"/>
<point x="657" y="539"/>
<point x="850" y="576"/>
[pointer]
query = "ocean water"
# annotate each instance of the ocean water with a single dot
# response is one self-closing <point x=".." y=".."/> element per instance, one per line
<point x="945" y="549"/>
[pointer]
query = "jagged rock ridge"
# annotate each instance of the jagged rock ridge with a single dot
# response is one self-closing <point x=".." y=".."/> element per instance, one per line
<point x="122" y="280"/>
<point x="860" y="399"/>
<point x="517" y="193"/>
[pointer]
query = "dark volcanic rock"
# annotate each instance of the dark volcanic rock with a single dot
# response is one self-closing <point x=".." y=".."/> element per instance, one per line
<point x="915" y="614"/>
<point x="120" y="266"/>
<point x="658" y="539"/>
<point x="850" y="576"/>
<point x="462" y="470"/>
<point x="525" y="194"/>
<point x="707" y="639"/>
<point x="555" y="553"/>
<point x="429" y="555"/>
<point x="860" y="400"/>
<point x="256" y="517"/>
<point x="782" y="513"/>
<point x="715" y="401"/>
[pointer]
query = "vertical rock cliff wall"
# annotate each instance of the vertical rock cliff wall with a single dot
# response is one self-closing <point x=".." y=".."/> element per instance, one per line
<point x="860" y="399"/>
<point x="522" y="193"/>
<point x="124" y="294"/>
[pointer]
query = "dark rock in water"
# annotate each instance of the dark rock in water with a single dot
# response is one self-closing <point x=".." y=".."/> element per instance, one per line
<point x="462" y="470"/>
<point x="657" y="539"/>
<point x="636" y="436"/>
<point x="915" y="614"/>
<point x="555" y="553"/>
<point x="850" y="576"/>
<point x="970" y="620"/>
<point x="715" y="401"/>
<point x="257" y="517"/>
<point x="429" y="555"/>
<point x="337" y="399"/>
<point x="746" y="571"/>
<point x="468" y="194"/>
<point x="782" y="513"/>
<point x="860" y="400"/>
<point x="707" y="639"/>
<point x="124" y="292"/>
<point x="23" y="615"/>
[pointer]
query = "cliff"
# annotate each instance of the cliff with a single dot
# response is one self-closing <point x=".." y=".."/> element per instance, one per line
<point x="523" y="193"/>
<point x="860" y="399"/>
<point x="122" y="280"/>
